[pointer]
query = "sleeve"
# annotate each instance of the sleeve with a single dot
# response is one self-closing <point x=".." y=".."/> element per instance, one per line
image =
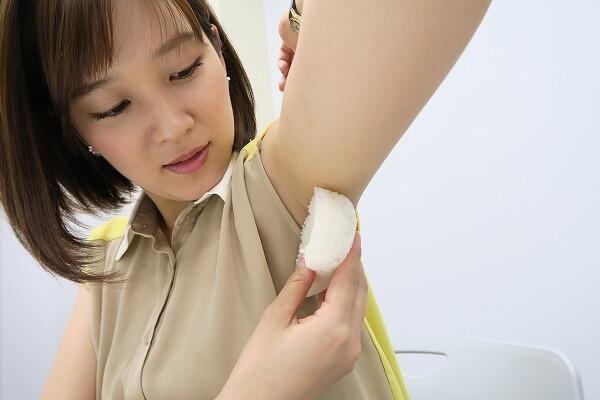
<point x="279" y="233"/>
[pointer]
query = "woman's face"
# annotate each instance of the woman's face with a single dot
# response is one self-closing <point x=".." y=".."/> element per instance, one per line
<point x="155" y="109"/>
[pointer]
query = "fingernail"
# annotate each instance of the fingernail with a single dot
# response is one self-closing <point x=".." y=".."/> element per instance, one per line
<point x="300" y="262"/>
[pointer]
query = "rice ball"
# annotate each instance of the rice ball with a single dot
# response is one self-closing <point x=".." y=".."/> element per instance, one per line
<point x="327" y="235"/>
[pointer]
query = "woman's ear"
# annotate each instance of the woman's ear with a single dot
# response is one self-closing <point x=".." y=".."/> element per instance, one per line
<point x="215" y="34"/>
<point x="219" y="47"/>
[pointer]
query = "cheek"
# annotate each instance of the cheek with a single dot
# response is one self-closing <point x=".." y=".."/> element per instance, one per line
<point x="114" y="151"/>
<point x="126" y="157"/>
<point x="210" y="99"/>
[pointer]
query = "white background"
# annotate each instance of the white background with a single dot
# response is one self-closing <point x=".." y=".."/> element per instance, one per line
<point x="484" y="221"/>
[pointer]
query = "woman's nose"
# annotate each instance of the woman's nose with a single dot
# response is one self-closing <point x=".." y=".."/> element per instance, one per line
<point x="172" y="120"/>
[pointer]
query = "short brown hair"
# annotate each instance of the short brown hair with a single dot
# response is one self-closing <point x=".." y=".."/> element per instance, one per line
<point x="47" y="49"/>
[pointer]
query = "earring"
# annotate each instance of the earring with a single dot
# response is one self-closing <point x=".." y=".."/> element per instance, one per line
<point x="91" y="150"/>
<point x="228" y="79"/>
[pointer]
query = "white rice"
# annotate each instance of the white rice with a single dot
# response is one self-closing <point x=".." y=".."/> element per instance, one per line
<point x="327" y="235"/>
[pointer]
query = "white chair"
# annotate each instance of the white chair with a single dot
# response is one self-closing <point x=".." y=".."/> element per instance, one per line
<point x="485" y="370"/>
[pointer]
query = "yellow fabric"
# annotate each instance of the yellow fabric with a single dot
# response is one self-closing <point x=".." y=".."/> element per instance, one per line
<point x="113" y="229"/>
<point x="378" y="332"/>
<point x="373" y="319"/>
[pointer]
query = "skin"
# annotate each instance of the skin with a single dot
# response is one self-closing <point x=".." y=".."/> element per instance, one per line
<point x="164" y="117"/>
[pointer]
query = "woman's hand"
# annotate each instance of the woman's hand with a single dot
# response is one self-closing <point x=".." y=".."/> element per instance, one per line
<point x="289" y="41"/>
<point x="291" y="358"/>
<point x="284" y="61"/>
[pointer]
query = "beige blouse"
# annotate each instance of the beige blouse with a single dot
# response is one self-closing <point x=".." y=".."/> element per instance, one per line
<point x="177" y="328"/>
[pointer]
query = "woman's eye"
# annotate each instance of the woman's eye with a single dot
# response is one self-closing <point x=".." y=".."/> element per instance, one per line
<point x="114" y="112"/>
<point x="186" y="73"/>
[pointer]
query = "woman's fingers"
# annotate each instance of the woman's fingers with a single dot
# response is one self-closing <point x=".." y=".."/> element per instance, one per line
<point x="285" y="53"/>
<point x="360" y="306"/>
<point x="284" y="66"/>
<point x="344" y="303"/>
<point x="284" y="62"/>
<point x="345" y="284"/>
<point x="291" y="296"/>
<point x="321" y="298"/>
<point x="281" y="83"/>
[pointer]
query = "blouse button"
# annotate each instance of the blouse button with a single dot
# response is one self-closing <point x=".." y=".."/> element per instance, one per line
<point x="147" y="338"/>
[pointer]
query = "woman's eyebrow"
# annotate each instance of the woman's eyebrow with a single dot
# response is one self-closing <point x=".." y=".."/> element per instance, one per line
<point x="170" y="45"/>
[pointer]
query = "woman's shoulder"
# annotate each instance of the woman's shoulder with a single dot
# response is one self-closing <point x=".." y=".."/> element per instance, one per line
<point x="253" y="183"/>
<point x="271" y="163"/>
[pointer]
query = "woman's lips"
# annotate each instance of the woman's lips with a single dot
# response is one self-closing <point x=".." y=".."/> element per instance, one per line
<point x="191" y="164"/>
<point x="186" y="156"/>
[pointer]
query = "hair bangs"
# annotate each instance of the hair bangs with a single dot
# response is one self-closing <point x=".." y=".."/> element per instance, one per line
<point x="69" y="64"/>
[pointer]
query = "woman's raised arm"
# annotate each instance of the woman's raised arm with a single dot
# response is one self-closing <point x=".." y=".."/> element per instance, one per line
<point x="361" y="73"/>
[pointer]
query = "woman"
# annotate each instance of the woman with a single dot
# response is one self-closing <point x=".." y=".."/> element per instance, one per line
<point x="100" y="97"/>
